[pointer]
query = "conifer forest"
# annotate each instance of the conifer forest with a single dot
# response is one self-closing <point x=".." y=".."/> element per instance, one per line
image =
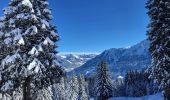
<point x="45" y="45"/>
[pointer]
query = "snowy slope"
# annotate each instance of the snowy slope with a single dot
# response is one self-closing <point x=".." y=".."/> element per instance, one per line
<point x="72" y="61"/>
<point x="150" y="97"/>
<point x="120" y="60"/>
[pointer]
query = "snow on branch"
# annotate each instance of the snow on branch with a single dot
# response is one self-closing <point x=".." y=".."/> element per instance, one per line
<point x="47" y="11"/>
<point x="9" y="10"/>
<point x="27" y="3"/>
<point x="47" y="41"/>
<point x="26" y="16"/>
<point x="7" y="86"/>
<point x="35" y="65"/>
<point x="32" y="30"/>
<point x="33" y="51"/>
<point x="10" y="59"/>
<point x="21" y="41"/>
<point x="44" y="24"/>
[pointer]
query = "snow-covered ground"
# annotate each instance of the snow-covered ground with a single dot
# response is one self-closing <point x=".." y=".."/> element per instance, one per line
<point x="150" y="97"/>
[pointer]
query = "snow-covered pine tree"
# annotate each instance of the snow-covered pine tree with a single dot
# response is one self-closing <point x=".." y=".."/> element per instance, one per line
<point x="59" y="90"/>
<point x="103" y="82"/>
<point x="28" y="54"/>
<point x="1" y="36"/>
<point x="17" y="94"/>
<point x="118" y="87"/>
<point x="128" y="81"/>
<point x="73" y="89"/>
<point x="18" y="16"/>
<point x="91" y="81"/>
<point x="67" y="89"/>
<point x="43" y="94"/>
<point x="83" y="89"/>
<point x="138" y="84"/>
<point x="48" y="35"/>
<point x="158" y="35"/>
<point x="135" y="84"/>
<point x="5" y="97"/>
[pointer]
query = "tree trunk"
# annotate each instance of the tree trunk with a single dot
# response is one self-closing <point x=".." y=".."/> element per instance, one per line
<point x="26" y="89"/>
<point x="166" y="93"/>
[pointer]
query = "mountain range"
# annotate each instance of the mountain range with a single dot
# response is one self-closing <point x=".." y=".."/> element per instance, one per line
<point x="70" y="61"/>
<point x="119" y="60"/>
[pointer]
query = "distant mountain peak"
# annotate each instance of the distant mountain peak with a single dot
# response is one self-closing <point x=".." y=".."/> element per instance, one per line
<point x="71" y="61"/>
<point x="78" y="53"/>
<point x="128" y="47"/>
<point x="120" y="60"/>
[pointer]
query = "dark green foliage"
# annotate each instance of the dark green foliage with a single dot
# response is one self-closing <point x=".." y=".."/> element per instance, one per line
<point x="119" y="87"/>
<point x="28" y="58"/>
<point x="158" y="35"/>
<point x="138" y="84"/>
<point x="103" y="82"/>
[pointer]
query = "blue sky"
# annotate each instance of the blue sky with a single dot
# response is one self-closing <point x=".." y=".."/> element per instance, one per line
<point x="97" y="25"/>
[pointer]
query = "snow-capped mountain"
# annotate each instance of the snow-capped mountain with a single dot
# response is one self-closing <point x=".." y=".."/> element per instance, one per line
<point x="71" y="61"/>
<point x="120" y="60"/>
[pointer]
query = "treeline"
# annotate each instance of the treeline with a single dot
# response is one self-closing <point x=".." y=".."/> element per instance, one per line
<point x="138" y="83"/>
<point x="100" y="86"/>
<point x="134" y="84"/>
<point x="73" y="88"/>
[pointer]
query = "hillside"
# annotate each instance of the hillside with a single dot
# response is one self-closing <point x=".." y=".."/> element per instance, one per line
<point x="120" y="60"/>
<point x="71" y="61"/>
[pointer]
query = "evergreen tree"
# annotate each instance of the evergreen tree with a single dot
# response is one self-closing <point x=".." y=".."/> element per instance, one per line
<point x="91" y="85"/>
<point x="118" y="87"/>
<point x="16" y="95"/>
<point x="43" y="94"/>
<point x="83" y="90"/>
<point x="59" y="90"/>
<point x="5" y="97"/>
<point x="103" y="82"/>
<point x="158" y="34"/>
<point x="1" y="37"/>
<point x="67" y="90"/>
<point x="28" y="41"/>
<point x="138" y="84"/>
<point x="128" y="84"/>
<point x="73" y="89"/>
